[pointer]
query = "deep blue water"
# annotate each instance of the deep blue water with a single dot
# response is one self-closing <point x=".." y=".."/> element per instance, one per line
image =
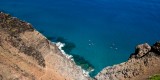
<point x="105" y="32"/>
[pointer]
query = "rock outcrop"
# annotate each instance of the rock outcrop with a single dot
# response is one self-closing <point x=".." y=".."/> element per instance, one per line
<point x="142" y="64"/>
<point x="141" y="50"/>
<point x="25" y="54"/>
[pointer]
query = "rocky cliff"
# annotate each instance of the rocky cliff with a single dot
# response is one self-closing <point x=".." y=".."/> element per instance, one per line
<point x="143" y="63"/>
<point x="25" y="54"/>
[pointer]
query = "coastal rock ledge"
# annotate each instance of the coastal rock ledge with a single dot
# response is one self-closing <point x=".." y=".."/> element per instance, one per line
<point x="25" y="54"/>
<point x="143" y="63"/>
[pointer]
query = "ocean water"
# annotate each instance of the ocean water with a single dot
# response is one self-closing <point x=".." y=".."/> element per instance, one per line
<point x="104" y="32"/>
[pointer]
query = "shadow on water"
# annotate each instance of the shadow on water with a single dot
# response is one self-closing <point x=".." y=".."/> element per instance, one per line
<point x="69" y="46"/>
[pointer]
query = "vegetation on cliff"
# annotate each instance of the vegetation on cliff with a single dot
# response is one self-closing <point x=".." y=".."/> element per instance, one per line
<point x="155" y="77"/>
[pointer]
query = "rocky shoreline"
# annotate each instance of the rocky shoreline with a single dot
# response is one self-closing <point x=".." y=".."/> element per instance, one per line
<point x="70" y="57"/>
<point x="141" y="64"/>
<point x="25" y="54"/>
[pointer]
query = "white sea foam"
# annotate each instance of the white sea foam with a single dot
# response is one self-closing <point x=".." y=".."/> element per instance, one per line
<point x="60" y="45"/>
<point x="85" y="73"/>
<point x="28" y="23"/>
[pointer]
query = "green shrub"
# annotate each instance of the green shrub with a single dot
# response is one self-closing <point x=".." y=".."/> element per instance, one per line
<point x="155" y="77"/>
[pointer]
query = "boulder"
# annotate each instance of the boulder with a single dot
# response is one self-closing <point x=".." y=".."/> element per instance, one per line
<point x="142" y="50"/>
<point x="156" y="47"/>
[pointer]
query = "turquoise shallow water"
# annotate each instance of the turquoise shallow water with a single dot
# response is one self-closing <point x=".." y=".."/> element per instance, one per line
<point x="104" y="32"/>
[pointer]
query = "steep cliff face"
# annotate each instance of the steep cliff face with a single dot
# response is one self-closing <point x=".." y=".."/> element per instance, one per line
<point x="25" y="54"/>
<point x="142" y="64"/>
